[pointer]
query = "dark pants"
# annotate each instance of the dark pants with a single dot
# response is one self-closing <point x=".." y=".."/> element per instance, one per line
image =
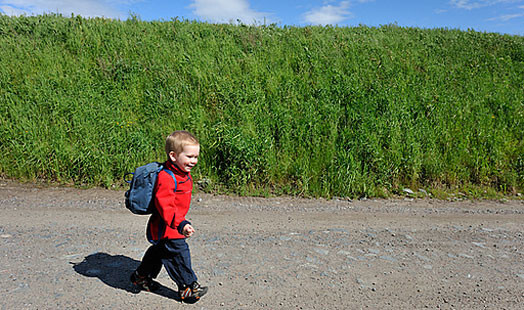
<point x="174" y="255"/>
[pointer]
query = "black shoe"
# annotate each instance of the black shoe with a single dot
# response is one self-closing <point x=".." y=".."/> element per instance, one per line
<point x="192" y="292"/>
<point x="143" y="282"/>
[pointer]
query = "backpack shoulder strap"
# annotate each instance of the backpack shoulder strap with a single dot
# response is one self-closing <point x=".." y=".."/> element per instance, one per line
<point x="172" y="175"/>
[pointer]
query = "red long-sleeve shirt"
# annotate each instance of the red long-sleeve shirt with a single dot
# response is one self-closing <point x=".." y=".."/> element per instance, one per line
<point x="171" y="205"/>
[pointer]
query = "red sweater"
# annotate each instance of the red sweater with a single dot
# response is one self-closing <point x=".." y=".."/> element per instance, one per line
<point x="171" y="206"/>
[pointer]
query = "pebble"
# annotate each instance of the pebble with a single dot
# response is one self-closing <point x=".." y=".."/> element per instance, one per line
<point x="70" y="256"/>
<point x="311" y="259"/>
<point x="388" y="258"/>
<point x="218" y="272"/>
<point x="321" y="251"/>
<point x="479" y="244"/>
<point x="422" y="257"/>
<point x="465" y="256"/>
<point x="21" y="286"/>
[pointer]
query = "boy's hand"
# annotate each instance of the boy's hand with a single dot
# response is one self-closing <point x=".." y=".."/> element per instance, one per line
<point x="188" y="230"/>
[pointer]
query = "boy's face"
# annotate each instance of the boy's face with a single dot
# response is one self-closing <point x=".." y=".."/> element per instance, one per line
<point x="186" y="159"/>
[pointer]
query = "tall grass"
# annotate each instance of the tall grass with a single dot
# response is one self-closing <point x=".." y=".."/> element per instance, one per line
<point x="315" y="111"/>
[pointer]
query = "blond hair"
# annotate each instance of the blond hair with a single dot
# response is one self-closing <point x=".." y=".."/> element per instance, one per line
<point x="176" y="141"/>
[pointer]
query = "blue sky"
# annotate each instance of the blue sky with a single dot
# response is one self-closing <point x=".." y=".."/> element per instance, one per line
<point x="502" y="16"/>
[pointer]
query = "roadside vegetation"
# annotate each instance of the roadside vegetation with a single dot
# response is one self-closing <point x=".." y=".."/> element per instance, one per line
<point x="310" y="111"/>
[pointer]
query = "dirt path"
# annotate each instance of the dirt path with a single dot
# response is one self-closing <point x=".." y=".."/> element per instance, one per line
<point x="74" y="249"/>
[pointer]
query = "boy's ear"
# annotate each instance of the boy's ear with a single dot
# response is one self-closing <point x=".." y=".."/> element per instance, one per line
<point x="172" y="156"/>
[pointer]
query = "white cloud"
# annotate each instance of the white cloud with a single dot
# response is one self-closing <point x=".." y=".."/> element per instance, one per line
<point x="86" y="8"/>
<point x="505" y="18"/>
<point x="12" y="11"/>
<point x="330" y="14"/>
<point x="225" y="11"/>
<point x="476" y="4"/>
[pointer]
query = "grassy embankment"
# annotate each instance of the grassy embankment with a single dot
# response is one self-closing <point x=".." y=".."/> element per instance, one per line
<point x="314" y="111"/>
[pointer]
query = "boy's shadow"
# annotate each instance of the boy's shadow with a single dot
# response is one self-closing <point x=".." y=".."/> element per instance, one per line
<point x="115" y="270"/>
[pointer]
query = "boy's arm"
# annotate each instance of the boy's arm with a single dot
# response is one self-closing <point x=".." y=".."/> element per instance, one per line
<point x="166" y="206"/>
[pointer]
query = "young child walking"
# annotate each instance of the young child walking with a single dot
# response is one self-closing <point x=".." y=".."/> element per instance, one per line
<point x="168" y="228"/>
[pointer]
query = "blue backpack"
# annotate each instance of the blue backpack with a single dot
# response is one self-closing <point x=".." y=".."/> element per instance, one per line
<point x="139" y="196"/>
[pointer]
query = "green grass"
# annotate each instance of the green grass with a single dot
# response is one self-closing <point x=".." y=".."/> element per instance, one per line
<point x="312" y="111"/>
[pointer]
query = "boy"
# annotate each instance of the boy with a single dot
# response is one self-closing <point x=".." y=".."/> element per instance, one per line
<point x="167" y="227"/>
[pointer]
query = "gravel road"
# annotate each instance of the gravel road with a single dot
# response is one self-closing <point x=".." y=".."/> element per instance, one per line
<point x="64" y="248"/>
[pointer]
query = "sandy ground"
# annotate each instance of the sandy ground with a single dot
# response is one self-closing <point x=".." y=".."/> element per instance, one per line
<point x="64" y="248"/>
